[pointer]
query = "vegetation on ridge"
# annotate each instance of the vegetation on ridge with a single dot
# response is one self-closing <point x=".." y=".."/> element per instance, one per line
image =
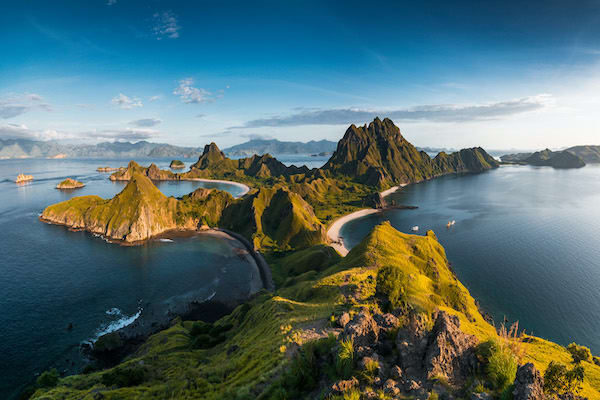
<point x="276" y="345"/>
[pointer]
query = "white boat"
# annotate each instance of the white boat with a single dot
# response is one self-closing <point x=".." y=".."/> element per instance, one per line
<point x="414" y="228"/>
<point x="450" y="223"/>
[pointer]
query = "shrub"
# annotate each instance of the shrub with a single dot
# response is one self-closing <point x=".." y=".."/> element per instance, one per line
<point x="392" y="284"/>
<point x="560" y="380"/>
<point x="305" y="369"/>
<point x="371" y="370"/>
<point x="596" y="360"/>
<point x="200" y="327"/>
<point x="502" y="363"/>
<point x="507" y="394"/>
<point x="124" y="376"/>
<point x="579" y="353"/>
<point x="345" y="358"/>
<point x="48" y="379"/>
<point x="433" y="396"/>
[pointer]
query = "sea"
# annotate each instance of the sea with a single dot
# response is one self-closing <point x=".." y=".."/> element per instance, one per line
<point x="526" y="243"/>
<point x="51" y="278"/>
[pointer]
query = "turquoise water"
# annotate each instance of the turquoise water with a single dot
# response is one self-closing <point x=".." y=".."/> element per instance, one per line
<point x="526" y="243"/>
<point x="50" y="277"/>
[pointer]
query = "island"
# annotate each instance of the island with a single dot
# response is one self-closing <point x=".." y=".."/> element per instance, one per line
<point x="108" y="169"/>
<point x="546" y="158"/>
<point x="21" y="178"/>
<point x="177" y="164"/>
<point x="70" y="184"/>
<point x="389" y="319"/>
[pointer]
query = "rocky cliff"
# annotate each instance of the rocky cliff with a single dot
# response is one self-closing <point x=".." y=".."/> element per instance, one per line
<point x="378" y="155"/>
<point x="137" y="213"/>
<point x="152" y="172"/>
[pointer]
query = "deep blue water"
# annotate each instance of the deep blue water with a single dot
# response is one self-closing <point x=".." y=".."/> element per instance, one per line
<point x="50" y="277"/>
<point x="526" y="243"/>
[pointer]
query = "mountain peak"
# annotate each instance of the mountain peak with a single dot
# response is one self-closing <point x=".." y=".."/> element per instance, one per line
<point x="378" y="155"/>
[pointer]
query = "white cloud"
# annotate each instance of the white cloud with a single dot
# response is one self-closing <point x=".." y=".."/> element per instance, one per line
<point x="431" y="113"/>
<point x="154" y="98"/>
<point x="129" y="134"/>
<point x="16" y="104"/>
<point x="146" y="122"/>
<point x="21" y="131"/>
<point x="15" y="131"/>
<point x="191" y="94"/>
<point x="126" y="102"/>
<point x="165" y="25"/>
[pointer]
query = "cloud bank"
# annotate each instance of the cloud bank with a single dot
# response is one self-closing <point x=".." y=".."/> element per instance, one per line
<point x="430" y="113"/>
<point x="15" y="131"/>
<point x="18" y="104"/>
<point x="146" y="122"/>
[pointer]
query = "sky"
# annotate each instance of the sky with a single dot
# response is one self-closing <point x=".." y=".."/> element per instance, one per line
<point x="497" y="74"/>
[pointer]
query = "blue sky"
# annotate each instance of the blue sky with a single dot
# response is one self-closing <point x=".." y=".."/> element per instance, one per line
<point x="454" y="74"/>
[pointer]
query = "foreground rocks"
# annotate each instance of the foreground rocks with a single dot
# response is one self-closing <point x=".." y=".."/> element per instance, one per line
<point x="423" y="357"/>
<point x="528" y="384"/>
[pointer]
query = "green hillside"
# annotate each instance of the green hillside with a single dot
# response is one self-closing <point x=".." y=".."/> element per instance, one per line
<point x="277" y="346"/>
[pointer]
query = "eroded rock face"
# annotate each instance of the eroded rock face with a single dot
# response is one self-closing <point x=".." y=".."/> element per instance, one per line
<point x="450" y="352"/>
<point x="363" y="330"/>
<point x="443" y="351"/>
<point x="528" y="384"/>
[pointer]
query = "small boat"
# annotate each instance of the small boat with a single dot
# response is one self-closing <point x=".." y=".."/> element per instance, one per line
<point x="450" y="223"/>
<point x="414" y="228"/>
<point x="23" y="178"/>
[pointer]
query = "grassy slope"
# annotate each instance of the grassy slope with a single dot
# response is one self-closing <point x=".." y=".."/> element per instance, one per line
<point x="137" y="212"/>
<point x="270" y="326"/>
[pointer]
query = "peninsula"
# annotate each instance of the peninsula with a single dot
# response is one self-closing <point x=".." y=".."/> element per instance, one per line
<point x="388" y="320"/>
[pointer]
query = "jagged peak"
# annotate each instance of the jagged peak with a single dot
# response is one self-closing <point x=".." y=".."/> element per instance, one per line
<point x="212" y="148"/>
<point x="140" y="186"/>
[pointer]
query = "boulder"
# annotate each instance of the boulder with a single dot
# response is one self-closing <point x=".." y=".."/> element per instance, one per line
<point x="528" y="384"/>
<point x="345" y="385"/>
<point x="386" y="322"/>
<point x="343" y="319"/>
<point x="363" y="330"/>
<point x="391" y="387"/>
<point x="396" y="373"/>
<point x="450" y="352"/>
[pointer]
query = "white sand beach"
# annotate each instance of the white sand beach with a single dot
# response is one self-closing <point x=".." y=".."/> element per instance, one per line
<point x="333" y="233"/>
<point x="245" y="188"/>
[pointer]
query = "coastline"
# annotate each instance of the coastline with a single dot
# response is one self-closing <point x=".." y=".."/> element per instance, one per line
<point x="245" y="188"/>
<point x="333" y="233"/>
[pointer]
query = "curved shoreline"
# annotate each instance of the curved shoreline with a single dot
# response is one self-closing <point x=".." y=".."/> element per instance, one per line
<point x="245" y="188"/>
<point x="333" y="232"/>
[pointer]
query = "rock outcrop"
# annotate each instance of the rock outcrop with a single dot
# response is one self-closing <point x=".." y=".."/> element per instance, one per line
<point x="177" y="164"/>
<point x="152" y="172"/>
<point x="362" y="330"/>
<point x="450" y="352"/>
<point x="70" y="184"/>
<point x="529" y="384"/>
<point x="444" y="351"/>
